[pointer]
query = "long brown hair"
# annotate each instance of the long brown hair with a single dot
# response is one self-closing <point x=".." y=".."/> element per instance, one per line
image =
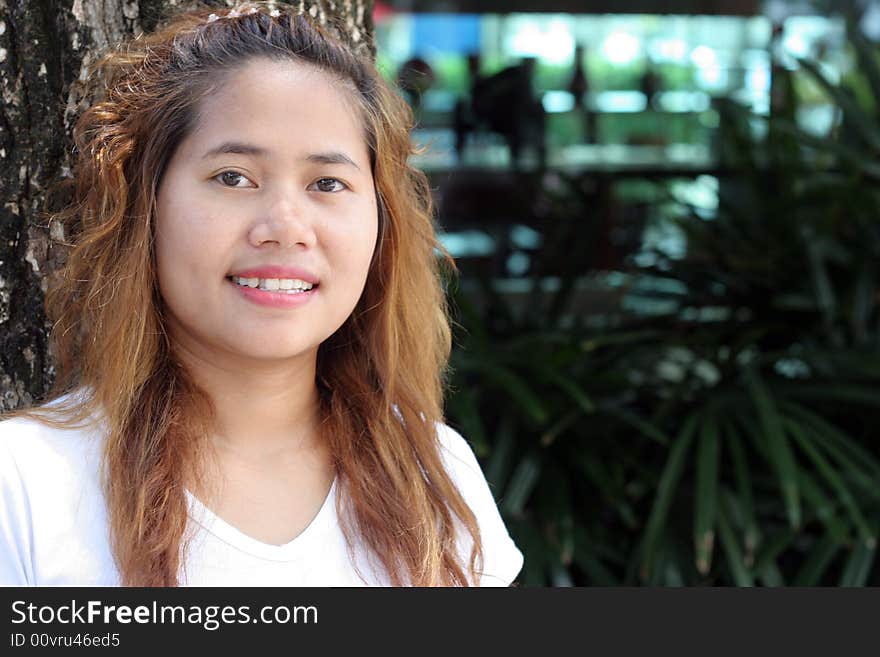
<point x="380" y="377"/>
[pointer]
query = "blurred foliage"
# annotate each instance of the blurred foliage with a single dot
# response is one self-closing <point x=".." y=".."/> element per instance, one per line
<point x="731" y="438"/>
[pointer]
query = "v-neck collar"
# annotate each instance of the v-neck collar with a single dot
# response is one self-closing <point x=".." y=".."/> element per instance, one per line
<point x="234" y="537"/>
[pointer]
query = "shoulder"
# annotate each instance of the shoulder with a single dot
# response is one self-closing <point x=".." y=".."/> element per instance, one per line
<point x="49" y="482"/>
<point x="41" y="456"/>
<point x="35" y="448"/>
<point x="502" y="559"/>
<point x="457" y="452"/>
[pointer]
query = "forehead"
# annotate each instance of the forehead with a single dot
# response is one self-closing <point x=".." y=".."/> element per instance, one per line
<point x="282" y="104"/>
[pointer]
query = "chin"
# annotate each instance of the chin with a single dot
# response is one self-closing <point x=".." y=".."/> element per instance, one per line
<point x="277" y="354"/>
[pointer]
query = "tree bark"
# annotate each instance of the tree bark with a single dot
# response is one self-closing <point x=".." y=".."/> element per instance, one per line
<point x="44" y="47"/>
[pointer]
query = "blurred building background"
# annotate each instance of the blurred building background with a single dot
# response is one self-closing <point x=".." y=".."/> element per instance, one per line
<point x="665" y="218"/>
<point x="626" y="94"/>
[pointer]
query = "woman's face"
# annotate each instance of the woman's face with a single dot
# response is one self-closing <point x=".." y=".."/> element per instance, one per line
<point x="274" y="184"/>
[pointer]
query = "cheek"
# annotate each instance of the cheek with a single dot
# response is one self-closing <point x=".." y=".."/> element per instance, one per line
<point x="181" y="253"/>
<point x="168" y="264"/>
<point x="183" y="241"/>
<point x="179" y="230"/>
<point x="169" y="250"/>
<point x="354" y="239"/>
<point x="362" y="249"/>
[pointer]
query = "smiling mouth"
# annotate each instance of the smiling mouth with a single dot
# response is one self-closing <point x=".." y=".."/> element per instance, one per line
<point x="282" y="286"/>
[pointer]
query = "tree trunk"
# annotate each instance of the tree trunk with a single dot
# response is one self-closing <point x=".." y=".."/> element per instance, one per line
<point x="44" y="46"/>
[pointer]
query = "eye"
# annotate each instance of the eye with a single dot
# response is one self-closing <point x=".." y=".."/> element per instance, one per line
<point x="230" y="177"/>
<point x="330" y="185"/>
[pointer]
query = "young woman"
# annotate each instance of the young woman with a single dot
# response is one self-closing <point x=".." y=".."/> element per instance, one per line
<point x="250" y="332"/>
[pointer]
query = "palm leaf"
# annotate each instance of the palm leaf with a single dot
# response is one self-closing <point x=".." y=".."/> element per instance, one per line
<point x="669" y="478"/>
<point x="773" y="547"/>
<point x="824" y="508"/>
<point x="866" y="53"/>
<point x="782" y="458"/>
<point x="570" y="387"/>
<point x="859" y="119"/>
<point x="848" y="453"/>
<point x="834" y="480"/>
<point x="738" y="569"/>
<point x="496" y="469"/>
<point x="858" y="565"/>
<point x="744" y="490"/>
<point x="512" y="383"/>
<point x="708" y="458"/>
<point x="817" y="562"/>
<point x="628" y="417"/>
<point x="522" y="481"/>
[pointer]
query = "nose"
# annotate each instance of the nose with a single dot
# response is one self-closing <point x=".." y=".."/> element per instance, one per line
<point x="283" y="221"/>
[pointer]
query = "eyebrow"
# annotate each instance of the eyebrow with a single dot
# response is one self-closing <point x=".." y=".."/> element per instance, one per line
<point x="241" y="148"/>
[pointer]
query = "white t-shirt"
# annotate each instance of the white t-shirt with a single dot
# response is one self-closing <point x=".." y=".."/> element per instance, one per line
<point x="54" y="531"/>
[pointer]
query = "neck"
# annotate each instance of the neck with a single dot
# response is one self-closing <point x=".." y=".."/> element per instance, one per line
<point x="262" y="409"/>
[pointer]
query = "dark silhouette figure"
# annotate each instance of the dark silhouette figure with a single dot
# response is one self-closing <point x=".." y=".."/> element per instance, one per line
<point x="502" y="103"/>
<point x="649" y="85"/>
<point x="579" y="87"/>
<point x="415" y="77"/>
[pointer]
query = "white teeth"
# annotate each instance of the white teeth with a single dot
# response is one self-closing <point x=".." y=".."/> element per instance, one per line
<point x="288" y="285"/>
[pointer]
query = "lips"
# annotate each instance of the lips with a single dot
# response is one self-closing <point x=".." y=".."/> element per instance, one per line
<point x="276" y="271"/>
<point x="274" y="298"/>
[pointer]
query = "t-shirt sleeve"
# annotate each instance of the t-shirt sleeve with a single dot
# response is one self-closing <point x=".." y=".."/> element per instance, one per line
<point x="15" y="533"/>
<point x="502" y="560"/>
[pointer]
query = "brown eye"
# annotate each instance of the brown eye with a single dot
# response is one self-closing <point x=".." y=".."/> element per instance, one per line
<point x="330" y="185"/>
<point x="230" y="178"/>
